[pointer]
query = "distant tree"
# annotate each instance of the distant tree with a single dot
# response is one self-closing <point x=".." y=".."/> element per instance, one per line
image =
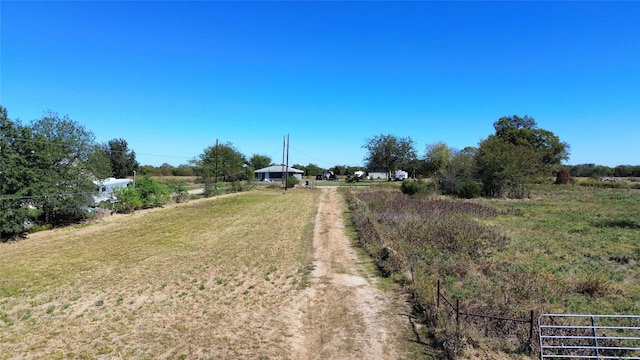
<point x="258" y="161"/>
<point x="183" y="170"/>
<point x="352" y="169"/>
<point x="165" y="169"/>
<point x="123" y="160"/>
<point x="517" y="152"/>
<point x="339" y="169"/>
<point x="458" y="174"/>
<point x="626" y="171"/>
<point x="437" y="156"/>
<point x="220" y="163"/>
<point x="147" y="169"/>
<point x="524" y="132"/>
<point x="313" y="170"/>
<point x="389" y="152"/>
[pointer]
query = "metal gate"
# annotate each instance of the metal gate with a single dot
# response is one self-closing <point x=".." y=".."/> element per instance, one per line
<point x="574" y="336"/>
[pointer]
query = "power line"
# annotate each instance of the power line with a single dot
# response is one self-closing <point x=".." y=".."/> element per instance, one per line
<point x="24" y="197"/>
<point x="52" y="143"/>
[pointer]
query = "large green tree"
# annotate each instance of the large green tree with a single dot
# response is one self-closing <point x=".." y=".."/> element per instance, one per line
<point x="123" y="160"/>
<point x="525" y="132"/>
<point x="14" y="176"/>
<point x="519" y="151"/>
<point x="220" y="163"/>
<point x="389" y="152"/>
<point x="61" y="154"/>
<point x="258" y="161"/>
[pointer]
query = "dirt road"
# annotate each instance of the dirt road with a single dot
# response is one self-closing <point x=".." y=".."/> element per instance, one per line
<point x="342" y="315"/>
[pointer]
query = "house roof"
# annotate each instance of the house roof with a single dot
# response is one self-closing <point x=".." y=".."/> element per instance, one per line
<point x="278" y="169"/>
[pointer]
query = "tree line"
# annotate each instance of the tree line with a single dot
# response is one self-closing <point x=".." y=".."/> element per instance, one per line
<point x="48" y="167"/>
<point x="503" y="164"/>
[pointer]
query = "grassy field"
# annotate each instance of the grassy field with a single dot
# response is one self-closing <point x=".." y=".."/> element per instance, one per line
<point x="578" y="248"/>
<point x="567" y="249"/>
<point x="205" y="279"/>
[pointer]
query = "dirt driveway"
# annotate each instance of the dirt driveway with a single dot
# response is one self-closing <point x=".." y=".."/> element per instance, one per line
<point x="342" y="315"/>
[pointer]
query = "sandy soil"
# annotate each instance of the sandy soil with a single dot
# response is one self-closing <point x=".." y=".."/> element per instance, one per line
<point x="342" y="315"/>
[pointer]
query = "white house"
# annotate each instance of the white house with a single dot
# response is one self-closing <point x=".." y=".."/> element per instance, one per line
<point x="274" y="173"/>
<point x="104" y="188"/>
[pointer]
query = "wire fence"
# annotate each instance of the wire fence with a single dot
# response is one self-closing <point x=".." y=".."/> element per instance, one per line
<point x="493" y="324"/>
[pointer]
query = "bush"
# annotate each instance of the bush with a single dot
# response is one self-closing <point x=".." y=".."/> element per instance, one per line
<point x="152" y="193"/>
<point x="563" y="177"/>
<point x="292" y="181"/>
<point x="591" y="182"/>
<point x="469" y="190"/>
<point x="128" y="199"/>
<point x="178" y="191"/>
<point x="412" y="187"/>
<point x="352" y="179"/>
<point x="146" y="193"/>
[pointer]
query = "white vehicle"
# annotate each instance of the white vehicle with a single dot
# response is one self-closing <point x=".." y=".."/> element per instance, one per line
<point x="105" y="188"/>
<point x="401" y="175"/>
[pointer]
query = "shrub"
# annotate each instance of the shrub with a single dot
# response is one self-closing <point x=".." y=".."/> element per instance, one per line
<point x="591" y="182"/>
<point x="152" y="193"/>
<point x="593" y="285"/>
<point x="146" y="193"/>
<point x="469" y="190"/>
<point x="178" y="191"/>
<point x="563" y="177"/>
<point x="127" y="199"/>
<point x="292" y="181"/>
<point x="412" y="187"/>
<point x="239" y="186"/>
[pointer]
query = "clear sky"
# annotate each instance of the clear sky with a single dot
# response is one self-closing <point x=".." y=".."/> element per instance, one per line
<point x="172" y="77"/>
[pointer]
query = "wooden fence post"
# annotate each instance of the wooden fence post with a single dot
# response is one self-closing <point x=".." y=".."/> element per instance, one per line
<point x="438" y="297"/>
<point x="531" y="327"/>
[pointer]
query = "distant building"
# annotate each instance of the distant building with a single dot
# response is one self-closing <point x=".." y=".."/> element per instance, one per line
<point x="377" y="174"/>
<point x="274" y="173"/>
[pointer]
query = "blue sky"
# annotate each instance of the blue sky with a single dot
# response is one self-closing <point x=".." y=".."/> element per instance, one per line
<point x="172" y="77"/>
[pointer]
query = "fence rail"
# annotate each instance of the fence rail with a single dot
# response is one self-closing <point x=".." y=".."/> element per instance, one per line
<point x="531" y="320"/>
<point x="578" y="336"/>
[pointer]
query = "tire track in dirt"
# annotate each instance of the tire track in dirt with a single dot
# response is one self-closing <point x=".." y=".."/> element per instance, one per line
<point x="342" y="315"/>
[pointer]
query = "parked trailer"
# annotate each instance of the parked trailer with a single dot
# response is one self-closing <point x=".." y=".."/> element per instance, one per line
<point x="401" y="175"/>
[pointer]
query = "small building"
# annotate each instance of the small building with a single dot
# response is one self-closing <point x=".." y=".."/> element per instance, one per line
<point x="104" y="188"/>
<point x="274" y="173"/>
<point x="378" y="174"/>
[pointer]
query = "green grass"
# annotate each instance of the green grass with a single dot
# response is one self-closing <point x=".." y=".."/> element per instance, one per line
<point x="574" y="236"/>
<point x="568" y="249"/>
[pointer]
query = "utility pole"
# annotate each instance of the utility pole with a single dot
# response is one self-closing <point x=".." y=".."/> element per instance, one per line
<point x="286" y="182"/>
<point x="284" y="144"/>
<point x="216" y="153"/>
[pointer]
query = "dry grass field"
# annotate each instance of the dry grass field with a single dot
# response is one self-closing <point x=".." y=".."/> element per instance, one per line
<point x="258" y="275"/>
<point x="209" y="279"/>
